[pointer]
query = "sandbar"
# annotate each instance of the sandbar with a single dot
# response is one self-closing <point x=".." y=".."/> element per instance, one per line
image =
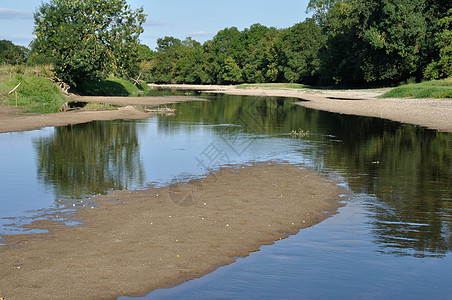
<point x="133" y="242"/>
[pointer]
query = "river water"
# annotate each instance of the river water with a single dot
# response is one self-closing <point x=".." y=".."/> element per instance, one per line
<point x="392" y="239"/>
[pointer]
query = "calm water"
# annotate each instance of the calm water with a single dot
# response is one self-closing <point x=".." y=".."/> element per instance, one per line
<point x="392" y="240"/>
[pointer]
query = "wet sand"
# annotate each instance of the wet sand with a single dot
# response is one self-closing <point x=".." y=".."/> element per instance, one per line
<point x="138" y="241"/>
<point x="431" y="113"/>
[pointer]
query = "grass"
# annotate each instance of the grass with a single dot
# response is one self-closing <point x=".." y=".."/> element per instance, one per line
<point x="428" y="89"/>
<point x="274" y="85"/>
<point x="39" y="95"/>
<point x="36" y="93"/>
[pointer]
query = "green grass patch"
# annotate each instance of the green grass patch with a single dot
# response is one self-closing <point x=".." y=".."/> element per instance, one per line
<point x="274" y="85"/>
<point x="428" y="89"/>
<point x="113" y="86"/>
<point x="36" y="93"/>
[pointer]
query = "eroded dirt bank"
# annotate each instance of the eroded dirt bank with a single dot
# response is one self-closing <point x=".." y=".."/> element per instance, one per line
<point x="138" y="241"/>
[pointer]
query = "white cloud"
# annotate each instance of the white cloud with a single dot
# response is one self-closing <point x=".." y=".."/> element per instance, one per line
<point x="202" y="33"/>
<point x="6" y="13"/>
<point x="155" y="23"/>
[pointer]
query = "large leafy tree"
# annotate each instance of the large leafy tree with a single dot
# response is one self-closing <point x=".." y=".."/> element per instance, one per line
<point x="259" y="57"/>
<point x="374" y="41"/>
<point x="88" y="39"/>
<point x="298" y="52"/>
<point x="442" y="66"/>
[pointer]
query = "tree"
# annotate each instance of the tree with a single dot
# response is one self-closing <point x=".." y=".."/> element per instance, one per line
<point x="166" y="57"/>
<point x="88" y="39"/>
<point x="442" y="67"/>
<point x="227" y="43"/>
<point x="298" y="51"/>
<point x="374" y="41"/>
<point x="231" y="71"/>
<point x="394" y="38"/>
<point x="12" y="54"/>
<point x="143" y="63"/>
<point x="259" y="59"/>
<point x="320" y="9"/>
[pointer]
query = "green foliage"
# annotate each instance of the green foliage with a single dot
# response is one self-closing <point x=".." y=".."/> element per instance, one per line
<point x="12" y="54"/>
<point x="231" y="71"/>
<point x="443" y="67"/>
<point x="298" y="52"/>
<point x="88" y="39"/>
<point x="374" y="41"/>
<point x="347" y="42"/>
<point x="427" y="89"/>
<point x="253" y="55"/>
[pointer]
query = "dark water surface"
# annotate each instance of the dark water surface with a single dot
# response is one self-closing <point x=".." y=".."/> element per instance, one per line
<point x="393" y="239"/>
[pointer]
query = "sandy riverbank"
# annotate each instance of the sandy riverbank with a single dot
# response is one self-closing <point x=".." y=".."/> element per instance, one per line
<point x="431" y="113"/>
<point x="138" y="241"/>
<point x="128" y="108"/>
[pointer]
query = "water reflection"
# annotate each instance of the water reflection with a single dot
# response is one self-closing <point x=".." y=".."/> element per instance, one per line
<point x="79" y="161"/>
<point x="407" y="168"/>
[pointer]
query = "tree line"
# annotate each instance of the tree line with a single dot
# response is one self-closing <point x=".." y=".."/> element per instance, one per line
<point x="347" y="42"/>
<point x="11" y="54"/>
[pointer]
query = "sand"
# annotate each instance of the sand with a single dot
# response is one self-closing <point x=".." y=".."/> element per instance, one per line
<point x="129" y="108"/>
<point x="138" y="241"/>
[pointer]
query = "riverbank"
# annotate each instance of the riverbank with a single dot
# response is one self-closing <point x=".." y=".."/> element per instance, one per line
<point x="138" y="241"/>
<point x="11" y="119"/>
<point x="431" y="113"/>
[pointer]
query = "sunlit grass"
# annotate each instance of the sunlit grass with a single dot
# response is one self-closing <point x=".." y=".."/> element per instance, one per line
<point x="428" y="89"/>
<point x="36" y="93"/>
<point x="274" y="85"/>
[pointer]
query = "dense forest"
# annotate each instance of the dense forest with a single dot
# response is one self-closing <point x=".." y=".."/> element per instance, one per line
<point x="344" y="42"/>
<point x="347" y="42"/>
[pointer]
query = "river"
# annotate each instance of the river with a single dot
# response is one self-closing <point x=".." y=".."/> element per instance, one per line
<point x="392" y="240"/>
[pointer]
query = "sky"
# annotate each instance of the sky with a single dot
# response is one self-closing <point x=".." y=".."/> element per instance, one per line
<point x="199" y="19"/>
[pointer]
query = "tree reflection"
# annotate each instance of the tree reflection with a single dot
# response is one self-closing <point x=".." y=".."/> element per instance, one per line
<point x="407" y="168"/>
<point x="92" y="158"/>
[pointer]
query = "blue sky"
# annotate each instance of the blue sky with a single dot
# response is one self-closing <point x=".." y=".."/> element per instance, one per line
<point x="200" y="19"/>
